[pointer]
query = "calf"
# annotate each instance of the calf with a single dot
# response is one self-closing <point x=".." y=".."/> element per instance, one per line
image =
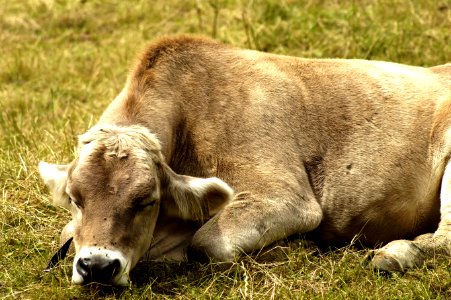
<point x="338" y="148"/>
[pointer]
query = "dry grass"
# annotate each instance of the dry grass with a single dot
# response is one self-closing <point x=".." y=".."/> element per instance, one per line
<point x="63" y="61"/>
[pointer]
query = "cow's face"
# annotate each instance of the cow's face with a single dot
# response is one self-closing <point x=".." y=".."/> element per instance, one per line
<point x="116" y="188"/>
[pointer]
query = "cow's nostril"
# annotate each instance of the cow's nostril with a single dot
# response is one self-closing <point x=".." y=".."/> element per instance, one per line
<point x="113" y="268"/>
<point x="84" y="267"/>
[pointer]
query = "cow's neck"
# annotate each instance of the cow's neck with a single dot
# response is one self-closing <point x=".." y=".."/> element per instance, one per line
<point x="173" y="132"/>
<point x="171" y="238"/>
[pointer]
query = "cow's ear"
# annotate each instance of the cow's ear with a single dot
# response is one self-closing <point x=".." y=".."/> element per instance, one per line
<point x="55" y="178"/>
<point x="193" y="198"/>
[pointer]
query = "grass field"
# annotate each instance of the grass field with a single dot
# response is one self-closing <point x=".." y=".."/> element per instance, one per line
<point x="62" y="62"/>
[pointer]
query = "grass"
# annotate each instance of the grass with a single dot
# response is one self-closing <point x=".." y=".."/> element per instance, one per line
<point x="63" y="61"/>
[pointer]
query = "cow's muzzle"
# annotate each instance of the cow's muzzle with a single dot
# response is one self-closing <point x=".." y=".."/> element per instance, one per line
<point x="97" y="269"/>
<point x="94" y="264"/>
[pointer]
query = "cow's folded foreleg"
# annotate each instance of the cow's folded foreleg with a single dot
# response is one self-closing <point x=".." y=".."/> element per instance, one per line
<point x="253" y="221"/>
<point x="402" y="254"/>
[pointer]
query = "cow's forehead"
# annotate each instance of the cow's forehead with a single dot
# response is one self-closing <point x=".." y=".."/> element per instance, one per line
<point x="97" y="169"/>
<point x="108" y="142"/>
<point x="93" y="160"/>
<point x="114" y="159"/>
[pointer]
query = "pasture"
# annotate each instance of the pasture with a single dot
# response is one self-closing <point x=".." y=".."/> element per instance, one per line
<point x="62" y="62"/>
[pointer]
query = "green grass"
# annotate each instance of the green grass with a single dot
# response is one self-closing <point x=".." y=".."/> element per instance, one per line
<point x="62" y="62"/>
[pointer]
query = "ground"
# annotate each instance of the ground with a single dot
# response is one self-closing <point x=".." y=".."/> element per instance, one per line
<point x="63" y="61"/>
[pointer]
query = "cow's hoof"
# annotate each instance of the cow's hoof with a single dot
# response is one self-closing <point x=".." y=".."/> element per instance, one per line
<point x="397" y="256"/>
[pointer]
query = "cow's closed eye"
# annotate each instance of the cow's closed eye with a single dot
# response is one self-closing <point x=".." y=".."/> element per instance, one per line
<point x="75" y="202"/>
<point x="144" y="202"/>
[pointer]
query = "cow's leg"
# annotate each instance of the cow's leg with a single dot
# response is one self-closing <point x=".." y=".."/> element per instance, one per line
<point x="255" y="220"/>
<point x="401" y="254"/>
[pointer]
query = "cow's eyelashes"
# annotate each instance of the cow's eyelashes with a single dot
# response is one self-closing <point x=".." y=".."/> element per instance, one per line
<point x="144" y="202"/>
<point x="150" y="204"/>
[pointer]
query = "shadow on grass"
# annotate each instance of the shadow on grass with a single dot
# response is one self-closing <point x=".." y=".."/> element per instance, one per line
<point x="168" y="278"/>
<point x="164" y="277"/>
<point x="171" y="278"/>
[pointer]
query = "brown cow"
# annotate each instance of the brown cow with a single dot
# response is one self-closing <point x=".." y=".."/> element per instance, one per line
<point x="334" y="147"/>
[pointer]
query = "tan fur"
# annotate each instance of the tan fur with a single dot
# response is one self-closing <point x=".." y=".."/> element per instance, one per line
<point x="334" y="147"/>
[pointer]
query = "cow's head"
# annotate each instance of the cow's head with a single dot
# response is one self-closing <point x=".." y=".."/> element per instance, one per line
<point x="116" y="188"/>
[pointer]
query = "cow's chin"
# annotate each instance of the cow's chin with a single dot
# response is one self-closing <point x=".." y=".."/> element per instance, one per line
<point x="94" y="264"/>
